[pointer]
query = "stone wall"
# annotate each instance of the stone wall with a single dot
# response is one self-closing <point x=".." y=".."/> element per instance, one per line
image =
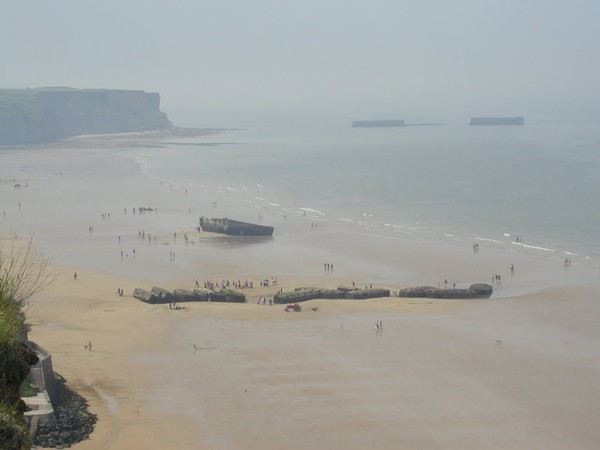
<point x="43" y="373"/>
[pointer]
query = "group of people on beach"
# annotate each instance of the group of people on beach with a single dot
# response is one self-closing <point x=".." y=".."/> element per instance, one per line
<point x="328" y="267"/>
<point x="268" y="282"/>
<point x="142" y="209"/>
<point x="174" y="305"/>
<point x="209" y="284"/>
<point x="142" y="236"/>
<point x="446" y="284"/>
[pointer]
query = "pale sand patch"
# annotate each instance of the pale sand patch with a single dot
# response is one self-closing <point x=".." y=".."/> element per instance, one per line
<point x="427" y="381"/>
<point x="263" y="378"/>
<point x="69" y="313"/>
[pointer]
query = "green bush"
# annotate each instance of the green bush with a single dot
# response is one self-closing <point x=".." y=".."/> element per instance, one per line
<point x="27" y="388"/>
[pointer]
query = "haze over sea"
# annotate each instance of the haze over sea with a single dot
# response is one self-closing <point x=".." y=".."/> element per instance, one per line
<point x="452" y="182"/>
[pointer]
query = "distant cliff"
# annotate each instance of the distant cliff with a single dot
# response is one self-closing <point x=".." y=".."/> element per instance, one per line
<point x="33" y="116"/>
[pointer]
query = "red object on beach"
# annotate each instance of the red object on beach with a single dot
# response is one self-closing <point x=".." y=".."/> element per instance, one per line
<point x="295" y="307"/>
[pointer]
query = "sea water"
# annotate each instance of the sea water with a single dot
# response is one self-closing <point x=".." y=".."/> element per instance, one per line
<point x="531" y="188"/>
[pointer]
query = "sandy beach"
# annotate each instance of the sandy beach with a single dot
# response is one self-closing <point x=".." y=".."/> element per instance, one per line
<point x="519" y="370"/>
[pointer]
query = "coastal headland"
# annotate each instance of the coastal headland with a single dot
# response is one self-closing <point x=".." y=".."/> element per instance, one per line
<point x="42" y="115"/>
<point x="516" y="370"/>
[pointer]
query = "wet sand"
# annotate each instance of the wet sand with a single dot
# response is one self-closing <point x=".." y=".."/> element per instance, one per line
<point x="434" y="377"/>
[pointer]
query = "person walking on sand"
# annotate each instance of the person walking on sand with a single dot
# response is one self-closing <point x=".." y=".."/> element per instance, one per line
<point x="89" y="346"/>
<point x="74" y="275"/>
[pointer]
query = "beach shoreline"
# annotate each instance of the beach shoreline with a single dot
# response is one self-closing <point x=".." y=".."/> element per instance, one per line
<point x="322" y="378"/>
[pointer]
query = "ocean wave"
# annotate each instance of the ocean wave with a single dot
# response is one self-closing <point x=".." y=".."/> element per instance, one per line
<point x="533" y="247"/>
<point x="405" y="227"/>
<point x="315" y="211"/>
<point x="495" y="241"/>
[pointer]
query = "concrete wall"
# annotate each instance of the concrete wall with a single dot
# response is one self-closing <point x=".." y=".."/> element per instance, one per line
<point x="43" y="373"/>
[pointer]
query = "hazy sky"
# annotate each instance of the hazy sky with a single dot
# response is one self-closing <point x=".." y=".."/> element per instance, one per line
<point x="364" y="57"/>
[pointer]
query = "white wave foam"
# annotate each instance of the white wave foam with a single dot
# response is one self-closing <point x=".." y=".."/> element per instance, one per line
<point x="539" y="248"/>
<point x="316" y="211"/>
<point x="404" y="227"/>
<point x="495" y="241"/>
<point x="533" y="247"/>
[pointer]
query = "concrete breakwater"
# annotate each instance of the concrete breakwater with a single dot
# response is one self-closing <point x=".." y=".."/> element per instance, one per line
<point x="479" y="290"/>
<point x="160" y="296"/>
<point x="303" y="294"/>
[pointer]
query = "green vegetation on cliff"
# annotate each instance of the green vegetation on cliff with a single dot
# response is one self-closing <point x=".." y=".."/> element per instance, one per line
<point x="15" y="364"/>
<point x="32" y="116"/>
<point x="22" y="274"/>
